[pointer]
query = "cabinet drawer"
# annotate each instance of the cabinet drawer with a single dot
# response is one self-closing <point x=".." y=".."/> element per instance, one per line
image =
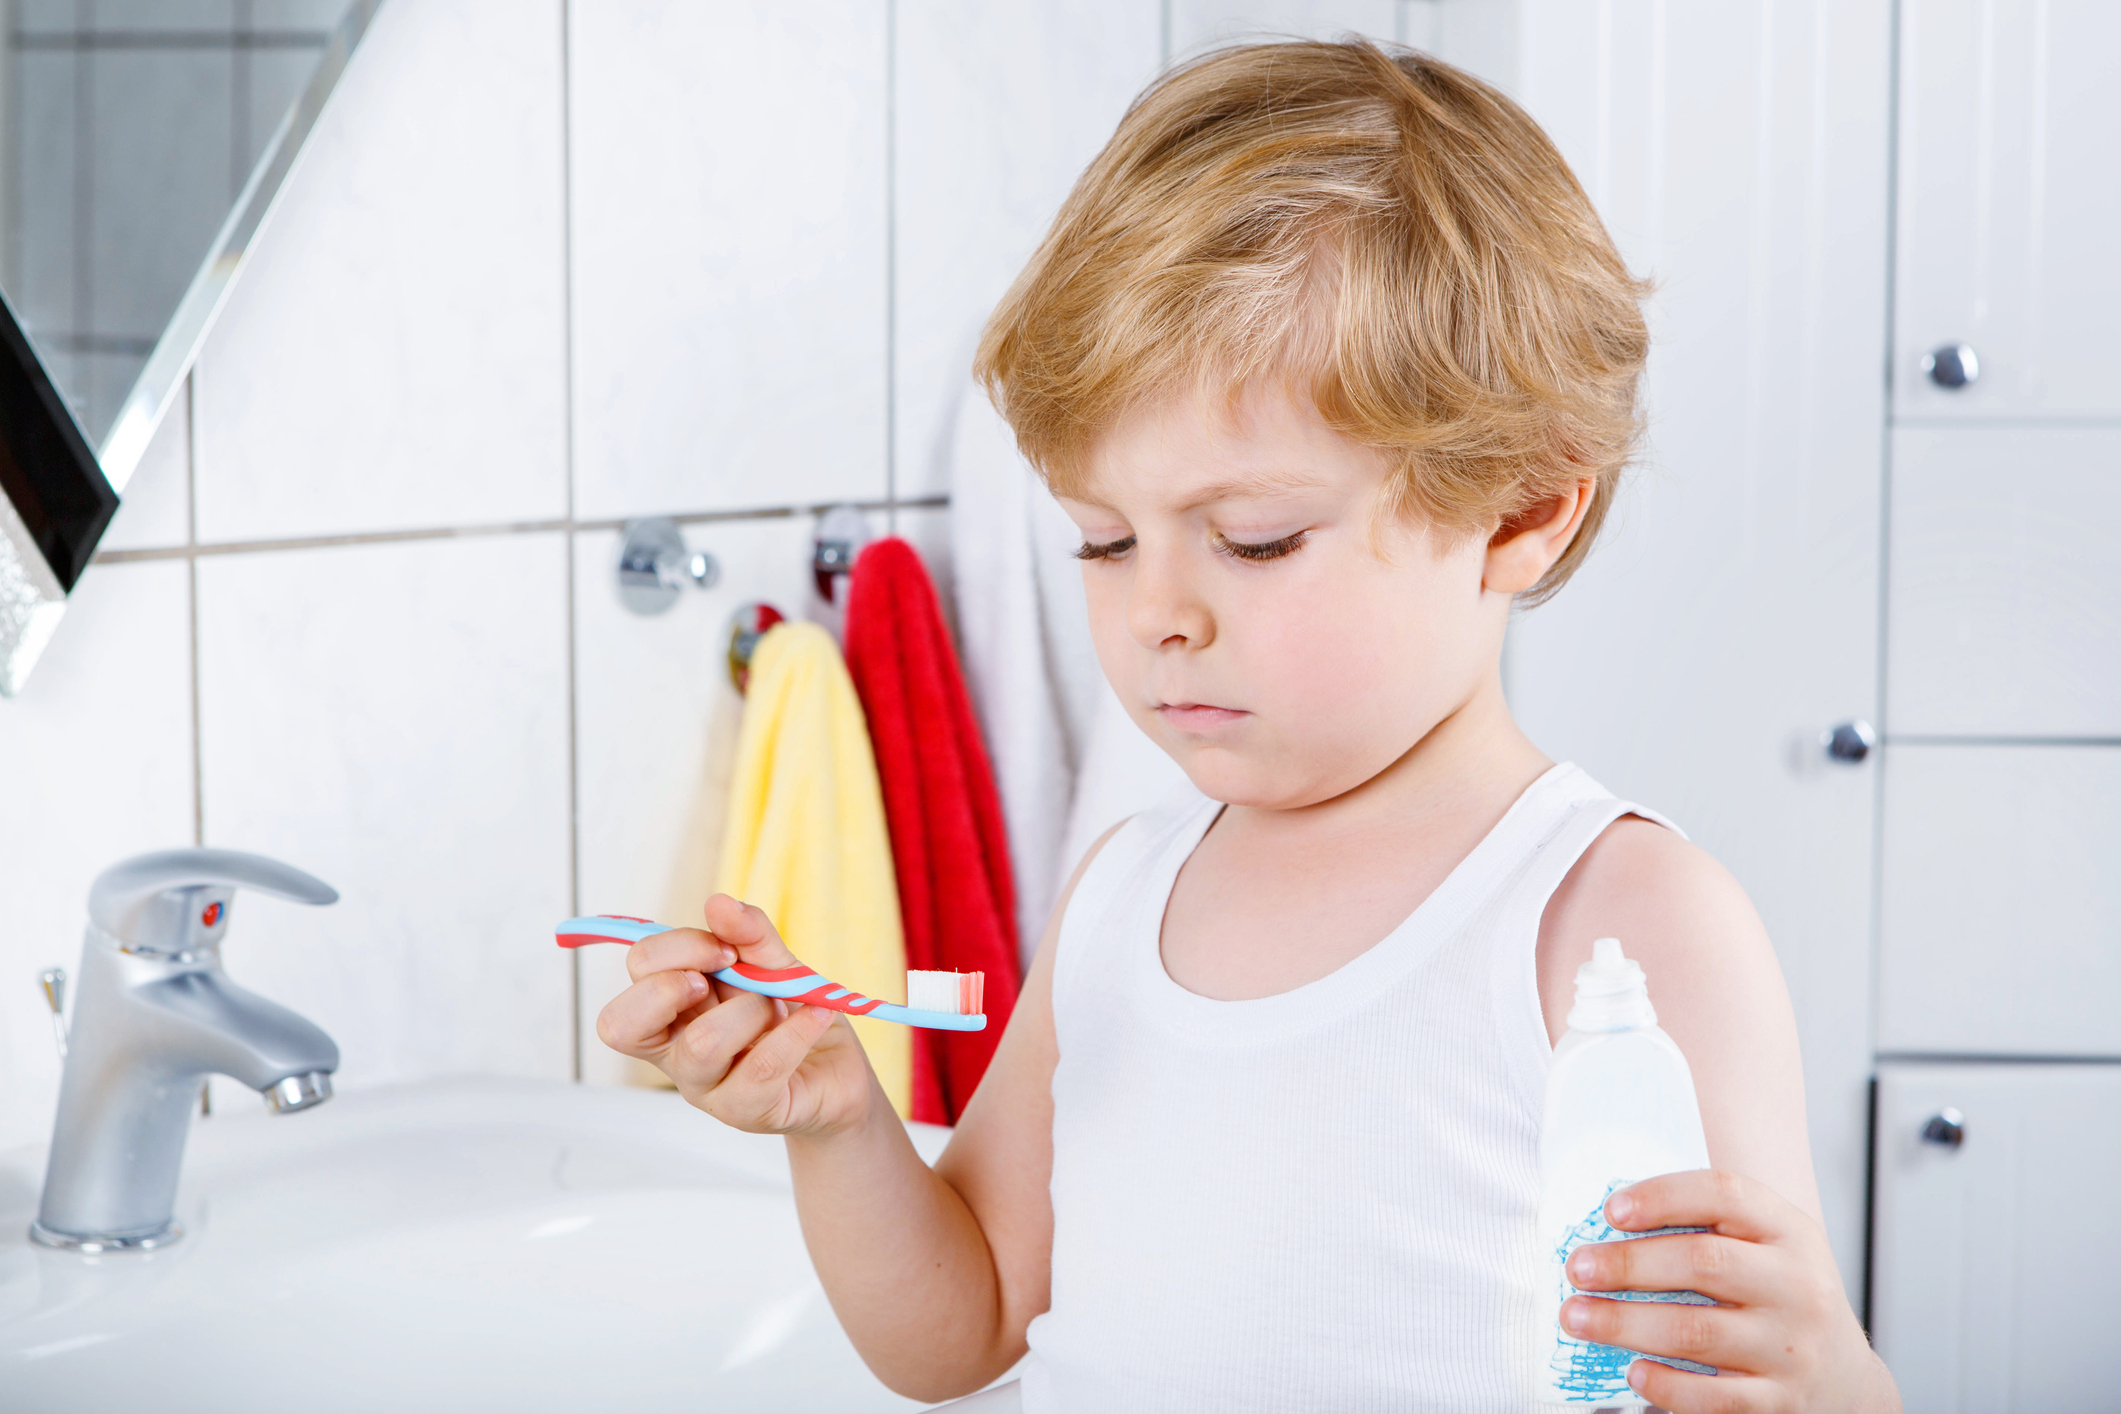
<point x="2000" y="906"/>
<point x="1992" y="1276"/>
<point x="2004" y="610"/>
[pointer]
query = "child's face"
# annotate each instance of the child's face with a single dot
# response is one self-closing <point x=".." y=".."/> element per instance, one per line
<point x="1257" y="617"/>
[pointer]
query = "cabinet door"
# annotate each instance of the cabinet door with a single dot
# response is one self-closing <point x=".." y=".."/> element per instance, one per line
<point x="2005" y="609"/>
<point x="2009" y="198"/>
<point x="2000" y="906"/>
<point x="1993" y="1276"/>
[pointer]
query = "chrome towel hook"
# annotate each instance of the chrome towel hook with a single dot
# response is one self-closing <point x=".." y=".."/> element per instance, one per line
<point x="654" y="565"/>
<point x="842" y="531"/>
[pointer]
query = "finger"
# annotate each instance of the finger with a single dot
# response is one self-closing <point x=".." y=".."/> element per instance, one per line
<point x="680" y="949"/>
<point x="757" y="1080"/>
<point x="1684" y="1392"/>
<point x="1727" y="1338"/>
<point x="1734" y="1272"/>
<point x="749" y="931"/>
<point x="705" y="1047"/>
<point x="1731" y="1203"/>
<point x="638" y="1020"/>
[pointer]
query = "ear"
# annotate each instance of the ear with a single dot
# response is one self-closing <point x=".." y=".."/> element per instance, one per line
<point x="1526" y="546"/>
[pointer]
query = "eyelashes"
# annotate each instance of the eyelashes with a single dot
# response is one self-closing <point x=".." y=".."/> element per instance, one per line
<point x="1264" y="549"/>
<point x="1236" y="549"/>
<point x="1108" y="550"/>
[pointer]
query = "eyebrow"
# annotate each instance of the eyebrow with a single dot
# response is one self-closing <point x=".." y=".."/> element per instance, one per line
<point x="1263" y="483"/>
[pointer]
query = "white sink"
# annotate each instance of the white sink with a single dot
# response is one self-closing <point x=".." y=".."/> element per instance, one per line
<point x="465" y="1246"/>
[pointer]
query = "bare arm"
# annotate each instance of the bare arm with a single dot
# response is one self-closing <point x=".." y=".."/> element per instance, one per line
<point x="1715" y="983"/>
<point x="935" y="1275"/>
<point x="1782" y="1335"/>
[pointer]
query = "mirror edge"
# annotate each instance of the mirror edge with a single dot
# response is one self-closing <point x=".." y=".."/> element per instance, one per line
<point x="40" y="564"/>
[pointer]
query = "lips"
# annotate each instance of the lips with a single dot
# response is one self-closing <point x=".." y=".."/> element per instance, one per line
<point x="1197" y="716"/>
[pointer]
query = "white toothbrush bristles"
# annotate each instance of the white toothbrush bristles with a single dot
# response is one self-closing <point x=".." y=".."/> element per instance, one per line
<point x="954" y="993"/>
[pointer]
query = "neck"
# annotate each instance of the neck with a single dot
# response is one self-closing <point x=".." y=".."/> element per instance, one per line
<point x="1475" y="760"/>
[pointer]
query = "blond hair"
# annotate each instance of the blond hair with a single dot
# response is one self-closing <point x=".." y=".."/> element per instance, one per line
<point x="1373" y="228"/>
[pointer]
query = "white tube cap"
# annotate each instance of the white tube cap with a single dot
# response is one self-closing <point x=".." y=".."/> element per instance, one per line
<point x="1611" y="992"/>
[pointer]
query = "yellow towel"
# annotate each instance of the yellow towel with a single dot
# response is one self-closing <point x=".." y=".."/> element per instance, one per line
<point x="806" y="839"/>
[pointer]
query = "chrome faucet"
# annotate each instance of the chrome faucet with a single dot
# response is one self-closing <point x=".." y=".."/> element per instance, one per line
<point x="153" y="1017"/>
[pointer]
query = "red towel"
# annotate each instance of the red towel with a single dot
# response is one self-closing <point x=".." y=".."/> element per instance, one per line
<point x="954" y="885"/>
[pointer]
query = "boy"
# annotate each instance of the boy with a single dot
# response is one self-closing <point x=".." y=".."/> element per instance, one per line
<point x="1333" y="364"/>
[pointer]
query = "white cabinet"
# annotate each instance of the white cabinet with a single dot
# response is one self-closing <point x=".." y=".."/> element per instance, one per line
<point x="2000" y="905"/>
<point x="2009" y="200"/>
<point x="1994" y="1290"/>
<point x="2005" y="609"/>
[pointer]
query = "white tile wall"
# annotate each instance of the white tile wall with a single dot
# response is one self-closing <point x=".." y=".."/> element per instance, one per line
<point x="155" y="510"/>
<point x="95" y="765"/>
<point x="998" y="109"/>
<point x="393" y="718"/>
<point x="394" y="355"/>
<point x="729" y="193"/>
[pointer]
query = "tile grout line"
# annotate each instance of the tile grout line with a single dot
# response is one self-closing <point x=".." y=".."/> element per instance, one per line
<point x="527" y="527"/>
<point x="191" y="574"/>
<point x="574" y="782"/>
<point x="891" y="262"/>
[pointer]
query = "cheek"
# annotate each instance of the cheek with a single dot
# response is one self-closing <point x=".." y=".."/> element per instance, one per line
<point x="1376" y="642"/>
<point x="1105" y="596"/>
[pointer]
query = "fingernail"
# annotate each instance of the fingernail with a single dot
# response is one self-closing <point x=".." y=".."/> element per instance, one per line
<point x="696" y="984"/>
<point x="1636" y="1375"/>
<point x="1620" y="1208"/>
<point x="1582" y="1266"/>
<point x="1573" y="1317"/>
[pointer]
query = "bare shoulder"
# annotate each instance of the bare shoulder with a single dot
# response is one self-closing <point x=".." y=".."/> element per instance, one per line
<point x="1714" y="980"/>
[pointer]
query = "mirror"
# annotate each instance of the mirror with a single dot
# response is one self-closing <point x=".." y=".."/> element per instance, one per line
<point x="142" y="145"/>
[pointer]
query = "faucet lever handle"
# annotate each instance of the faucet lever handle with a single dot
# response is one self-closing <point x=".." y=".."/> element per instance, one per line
<point x="121" y="901"/>
<point x="54" y="981"/>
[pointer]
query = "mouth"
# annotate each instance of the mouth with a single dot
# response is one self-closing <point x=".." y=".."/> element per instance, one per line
<point x="1197" y="716"/>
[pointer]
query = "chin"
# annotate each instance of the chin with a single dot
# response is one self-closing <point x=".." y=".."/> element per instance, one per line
<point x="1225" y="776"/>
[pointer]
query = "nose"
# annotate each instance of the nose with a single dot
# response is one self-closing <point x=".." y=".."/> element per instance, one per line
<point x="1164" y="608"/>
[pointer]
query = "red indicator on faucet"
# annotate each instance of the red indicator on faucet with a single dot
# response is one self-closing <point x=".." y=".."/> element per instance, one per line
<point x="212" y="914"/>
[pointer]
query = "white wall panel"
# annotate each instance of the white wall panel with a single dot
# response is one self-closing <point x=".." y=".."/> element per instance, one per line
<point x="2006" y="613"/>
<point x="1202" y="24"/>
<point x="393" y="356"/>
<point x="999" y="108"/>
<point x="95" y="766"/>
<point x="2000" y="917"/>
<point x="1739" y="155"/>
<point x="393" y="718"/>
<point x="729" y="188"/>
<point x="2008" y="204"/>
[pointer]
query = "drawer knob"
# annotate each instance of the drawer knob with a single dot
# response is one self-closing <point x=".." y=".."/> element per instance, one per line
<point x="1850" y="741"/>
<point x="1946" y="1129"/>
<point x="1952" y="366"/>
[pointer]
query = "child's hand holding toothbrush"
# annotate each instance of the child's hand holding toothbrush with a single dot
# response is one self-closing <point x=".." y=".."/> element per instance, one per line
<point x="753" y="1062"/>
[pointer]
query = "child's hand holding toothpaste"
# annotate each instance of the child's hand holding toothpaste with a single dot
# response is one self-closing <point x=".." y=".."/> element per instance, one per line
<point x="753" y="1062"/>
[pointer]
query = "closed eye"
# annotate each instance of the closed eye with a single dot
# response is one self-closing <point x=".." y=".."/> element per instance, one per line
<point x="1261" y="550"/>
<point x="1110" y="549"/>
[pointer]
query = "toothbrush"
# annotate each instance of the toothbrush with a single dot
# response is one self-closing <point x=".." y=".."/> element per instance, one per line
<point x="951" y="1000"/>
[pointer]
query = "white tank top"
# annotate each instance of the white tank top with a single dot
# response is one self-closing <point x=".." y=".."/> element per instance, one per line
<point x="1322" y="1200"/>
